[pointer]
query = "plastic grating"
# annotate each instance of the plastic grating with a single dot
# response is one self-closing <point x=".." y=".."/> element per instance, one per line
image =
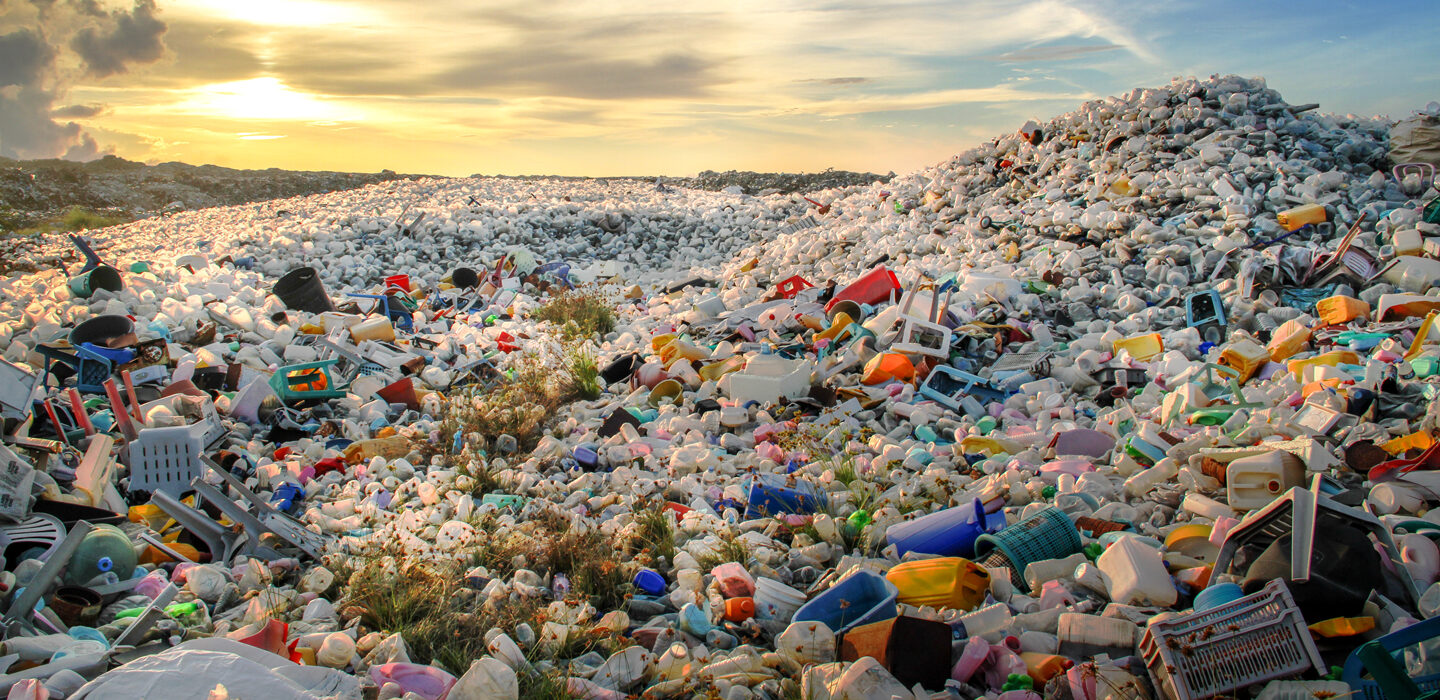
<point x="1257" y="638"/>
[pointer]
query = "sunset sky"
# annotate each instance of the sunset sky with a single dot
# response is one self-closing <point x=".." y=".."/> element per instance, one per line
<point x="622" y="87"/>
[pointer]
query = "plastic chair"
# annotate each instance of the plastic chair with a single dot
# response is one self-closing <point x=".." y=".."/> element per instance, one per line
<point x="400" y="317"/>
<point x="1390" y="681"/>
<point x="91" y="369"/>
<point x="307" y="381"/>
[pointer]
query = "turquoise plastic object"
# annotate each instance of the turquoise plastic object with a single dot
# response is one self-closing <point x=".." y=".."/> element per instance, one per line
<point x="773" y="494"/>
<point x="1217" y="595"/>
<point x="1048" y="534"/>
<point x="860" y="599"/>
<point x="289" y="382"/>
<point x="947" y="533"/>
<point x="105" y="549"/>
<point x="1391" y="682"/>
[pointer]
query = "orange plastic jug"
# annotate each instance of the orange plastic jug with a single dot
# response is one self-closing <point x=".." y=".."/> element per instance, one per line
<point x="1292" y="219"/>
<point x="1340" y="309"/>
<point x="947" y="582"/>
<point x="1245" y="357"/>
<point x="1288" y="339"/>
<point x="1141" y="347"/>
<point x="1043" y="667"/>
<point x="887" y="367"/>
<point x="739" y="609"/>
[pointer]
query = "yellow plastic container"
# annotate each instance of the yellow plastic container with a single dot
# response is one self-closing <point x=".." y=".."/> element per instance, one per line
<point x="661" y="341"/>
<point x="838" y="325"/>
<point x="1245" y="357"/>
<point x="1141" y="347"/>
<point x="1288" y="339"/>
<point x="1398" y="446"/>
<point x="1341" y="309"/>
<point x="715" y="370"/>
<point x="1329" y="359"/>
<point x="682" y="350"/>
<point x="1292" y="219"/>
<point x="947" y="582"/>
<point x="1343" y="626"/>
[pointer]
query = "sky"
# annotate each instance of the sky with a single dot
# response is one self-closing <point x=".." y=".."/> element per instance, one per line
<point x="621" y="87"/>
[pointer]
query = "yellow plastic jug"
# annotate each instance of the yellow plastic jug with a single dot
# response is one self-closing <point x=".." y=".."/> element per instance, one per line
<point x="947" y="582"/>
<point x="1288" y="339"/>
<point x="1329" y="359"/>
<point x="1292" y="219"/>
<point x="1141" y="347"/>
<point x="1398" y="446"/>
<point x="1245" y="357"/>
<point x="1340" y="309"/>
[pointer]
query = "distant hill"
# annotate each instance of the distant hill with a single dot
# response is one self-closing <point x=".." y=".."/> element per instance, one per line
<point x="37" y="190"/>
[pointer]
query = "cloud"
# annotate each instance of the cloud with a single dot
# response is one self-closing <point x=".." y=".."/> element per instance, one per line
<point x="836" y="81"/>
<point x="560" y="72"/>
<point x="33" y="80"/>
<point x="1051" y="53"/>
<point x="89" y="111"/>
<point x="1001" y="94"/>
<point x="24" y="58"/>
<point x="132" y="37"/>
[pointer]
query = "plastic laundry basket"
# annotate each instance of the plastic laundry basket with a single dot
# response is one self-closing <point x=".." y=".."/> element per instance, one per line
<point x="1251" y="640"/>
<point x="166" y="459"/>
<point x="1049" y="534"/>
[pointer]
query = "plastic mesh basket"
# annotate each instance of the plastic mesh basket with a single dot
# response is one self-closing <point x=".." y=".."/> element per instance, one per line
<point x="1049" y="534"/>
<point x="1254" y="639"/>
<point x="166" y="459"/>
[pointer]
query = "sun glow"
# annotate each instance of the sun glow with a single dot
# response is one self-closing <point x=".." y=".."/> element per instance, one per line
<point x="262" y="99"/>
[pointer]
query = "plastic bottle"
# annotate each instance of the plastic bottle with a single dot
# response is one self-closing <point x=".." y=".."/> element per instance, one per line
<point x="105" y="550"/>
<point x="1137" y="574"/>
<point x="974" y="653"/>
<point x="987" y="621"/>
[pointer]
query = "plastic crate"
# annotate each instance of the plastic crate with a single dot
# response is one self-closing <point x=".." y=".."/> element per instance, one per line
<point x="1257" y="638"/>
<point x="1398" y="643"/>
<point x="1049" y="534"/>
<point x="166" y="459"/>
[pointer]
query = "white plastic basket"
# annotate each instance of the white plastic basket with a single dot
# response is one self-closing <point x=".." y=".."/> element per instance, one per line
<point x="166" y="459"/>
<point x="1254" y="639"/>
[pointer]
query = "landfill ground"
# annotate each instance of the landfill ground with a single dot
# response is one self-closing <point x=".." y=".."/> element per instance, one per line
<point x="1138" y="402"/>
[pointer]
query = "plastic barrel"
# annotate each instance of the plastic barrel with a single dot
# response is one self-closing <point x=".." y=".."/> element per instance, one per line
<point x="1048" y="534"/>
<point x="464" y="278"/>
<point x="948" y="533"/>
<point x="302" y="290"/>
<point x="105" y="549"/>
<point x="85" y="284"/>
<point x="101" y="329"/>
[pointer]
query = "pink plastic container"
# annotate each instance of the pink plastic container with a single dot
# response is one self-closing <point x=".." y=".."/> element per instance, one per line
<point x="971" y="657"/>
<point x="734" y="580"/>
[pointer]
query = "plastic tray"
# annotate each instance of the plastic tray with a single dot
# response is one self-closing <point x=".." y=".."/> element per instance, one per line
<point x="166" y="459"/>
<point x="1257" y="638"/>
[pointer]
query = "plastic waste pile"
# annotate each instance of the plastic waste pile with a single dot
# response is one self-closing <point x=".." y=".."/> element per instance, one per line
<point x="1138" y="402"/>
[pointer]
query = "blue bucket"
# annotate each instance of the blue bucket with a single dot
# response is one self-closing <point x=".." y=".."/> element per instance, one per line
<point x="773" y="494"/>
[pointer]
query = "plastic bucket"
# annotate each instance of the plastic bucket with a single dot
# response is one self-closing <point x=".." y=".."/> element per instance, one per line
<point x="620" y="368"/>
<point x="464" y="278"/>
<point x="76" y="605"/>
<point x="775" y="600"/>
<point x="948" y="533"/>
<point x="100" y="330"/>
<point x="401" y="282"/>
<point x="650" y="582"/>
<point x="302" y="290"/>
<point x="1048" y="534"/>
<point x="859" y="599"/>
<point x="873" y="287"/>
<point x="85" y="284"/>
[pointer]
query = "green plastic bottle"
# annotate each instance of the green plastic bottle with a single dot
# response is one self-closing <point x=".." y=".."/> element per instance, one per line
<point x="105" y="549"/>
